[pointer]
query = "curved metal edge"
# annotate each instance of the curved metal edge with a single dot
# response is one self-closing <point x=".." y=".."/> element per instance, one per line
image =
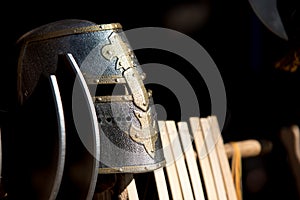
<point x="61" y="134"/>
<point x="266" y="11"/>
<point x="72" y="31"/>
<point x="96" y="150"/>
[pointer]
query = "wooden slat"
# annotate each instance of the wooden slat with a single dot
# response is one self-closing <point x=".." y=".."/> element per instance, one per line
<point x="132" y="191"/>
<point x="204" y="162"/>
<point x="225" y="167"/>
<point x="179" y="160"/>
<point x="213" y="157"/>
<point x="170" y="166"/>
<point x="189" y="153"/>
<point x="184" y="177"/>
<point x="161" y="184"/>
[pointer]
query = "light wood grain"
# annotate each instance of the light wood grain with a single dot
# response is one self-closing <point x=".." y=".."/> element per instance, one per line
<point x="248" y="148"/>
<point x="179" y="160"/>
<point x="132" y="191"/>
<point x="224" y="163"/>
<point x="161" y="185"/>
<point x="199" y="140"/>
<point x="210" y="143"/>
<point x="170" y="166"/>
<point x="204" y="162"/>
<point x="189" y="153"/>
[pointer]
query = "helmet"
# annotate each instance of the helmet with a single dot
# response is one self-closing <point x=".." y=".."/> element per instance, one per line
<point x="279" y="16"/>
<point x="129" y="135"/>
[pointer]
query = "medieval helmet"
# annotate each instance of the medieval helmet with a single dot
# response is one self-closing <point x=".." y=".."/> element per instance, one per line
<point x="129" y="135"/>
<point x="281" y="17"/>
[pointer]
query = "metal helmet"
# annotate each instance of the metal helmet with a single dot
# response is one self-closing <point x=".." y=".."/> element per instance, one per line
<point x="281" y="17"/>
<point x="129" y="135"/>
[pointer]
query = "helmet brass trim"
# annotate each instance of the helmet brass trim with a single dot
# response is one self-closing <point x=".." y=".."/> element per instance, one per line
<point x="66" y="32"/>
<point x="45" y="36"/>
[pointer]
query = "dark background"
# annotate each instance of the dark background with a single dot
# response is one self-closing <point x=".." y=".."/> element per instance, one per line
<point x="260" y="98"/>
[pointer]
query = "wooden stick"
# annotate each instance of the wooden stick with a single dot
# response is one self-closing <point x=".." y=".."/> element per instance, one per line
<point x="223" y="159"/>
<point x="170" y="166"/>
<point x="132" y="191"/>
<point x="186" y="143"/>
<point x="248" y="148"/>
<point x="179" y="160"/>
<point x="203" y="159"/>
<point x="161" y="184"/>
<point x="213" y="157"/>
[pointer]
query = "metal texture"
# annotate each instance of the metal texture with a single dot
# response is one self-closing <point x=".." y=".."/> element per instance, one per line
<point x="62" y="137"/>
<point x="82" y="138"/>
<point x="133" y="157"/>
<point x="104" y="57"/>
<point x="39" y="56"/>
<point x="267" y="12"/>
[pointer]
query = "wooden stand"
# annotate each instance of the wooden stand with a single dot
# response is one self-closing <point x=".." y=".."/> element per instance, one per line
<point x="206" y="175"/>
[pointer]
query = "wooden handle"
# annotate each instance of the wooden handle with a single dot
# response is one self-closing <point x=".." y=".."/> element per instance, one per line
<point x="249" y="148"/>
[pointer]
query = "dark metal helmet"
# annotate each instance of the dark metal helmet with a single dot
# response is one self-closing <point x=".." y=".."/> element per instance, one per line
<point x="129" y="135"/>
<point x="279" y="16"/>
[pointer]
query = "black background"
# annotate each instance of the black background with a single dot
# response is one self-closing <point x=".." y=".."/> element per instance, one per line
<point x="260" y="98"/>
